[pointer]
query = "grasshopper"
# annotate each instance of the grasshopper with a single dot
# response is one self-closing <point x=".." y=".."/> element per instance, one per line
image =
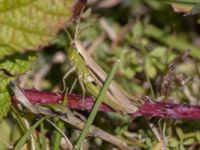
<point x="92" y="77"/>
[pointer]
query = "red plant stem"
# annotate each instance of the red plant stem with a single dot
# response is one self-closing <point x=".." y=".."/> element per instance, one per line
<point x="149" y="108"/>
<point x="74" y="100"/>
<point x="169" y="110"/>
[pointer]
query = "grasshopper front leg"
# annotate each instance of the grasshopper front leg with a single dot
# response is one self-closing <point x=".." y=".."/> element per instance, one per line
<point x="73" y="69"/>
<point x="83" y="89"/>
<point x="66" y="76"/>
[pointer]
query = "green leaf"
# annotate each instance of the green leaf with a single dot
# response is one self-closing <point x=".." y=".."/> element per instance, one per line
<point x="189" y="141"/>
<point x="198" y="136"/>
<point x="158" y="52"/>
<point x="31" y="24"/>
<point x="5" y="130"/>
<point x="182" y="147"/>
<point x="180" y="133"/>
<point x="137" y="30"/>
<point x="15" y="64"/>
<point x="173" y="142"/>
<point x="4" y="95"/>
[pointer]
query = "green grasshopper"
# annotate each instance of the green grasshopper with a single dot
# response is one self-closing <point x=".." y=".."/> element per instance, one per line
<point x="92" y="77"/>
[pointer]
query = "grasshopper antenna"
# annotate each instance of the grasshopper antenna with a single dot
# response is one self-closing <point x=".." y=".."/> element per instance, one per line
<point x="78" y="23"/>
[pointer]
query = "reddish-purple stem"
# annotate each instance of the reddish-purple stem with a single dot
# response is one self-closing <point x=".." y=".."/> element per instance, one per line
<point x="149" y="108"/>
<point x="74" y="100"/>
<point x="168" y="110"/>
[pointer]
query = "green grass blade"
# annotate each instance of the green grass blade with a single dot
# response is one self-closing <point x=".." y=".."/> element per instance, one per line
<point x="150" y="85"/>
<point x="97" y="105"/>
<point x="43" y="139"/>
<point x="60" y="125"/>
<point x="27" y="134"/>
<point x="19" y="119"/>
